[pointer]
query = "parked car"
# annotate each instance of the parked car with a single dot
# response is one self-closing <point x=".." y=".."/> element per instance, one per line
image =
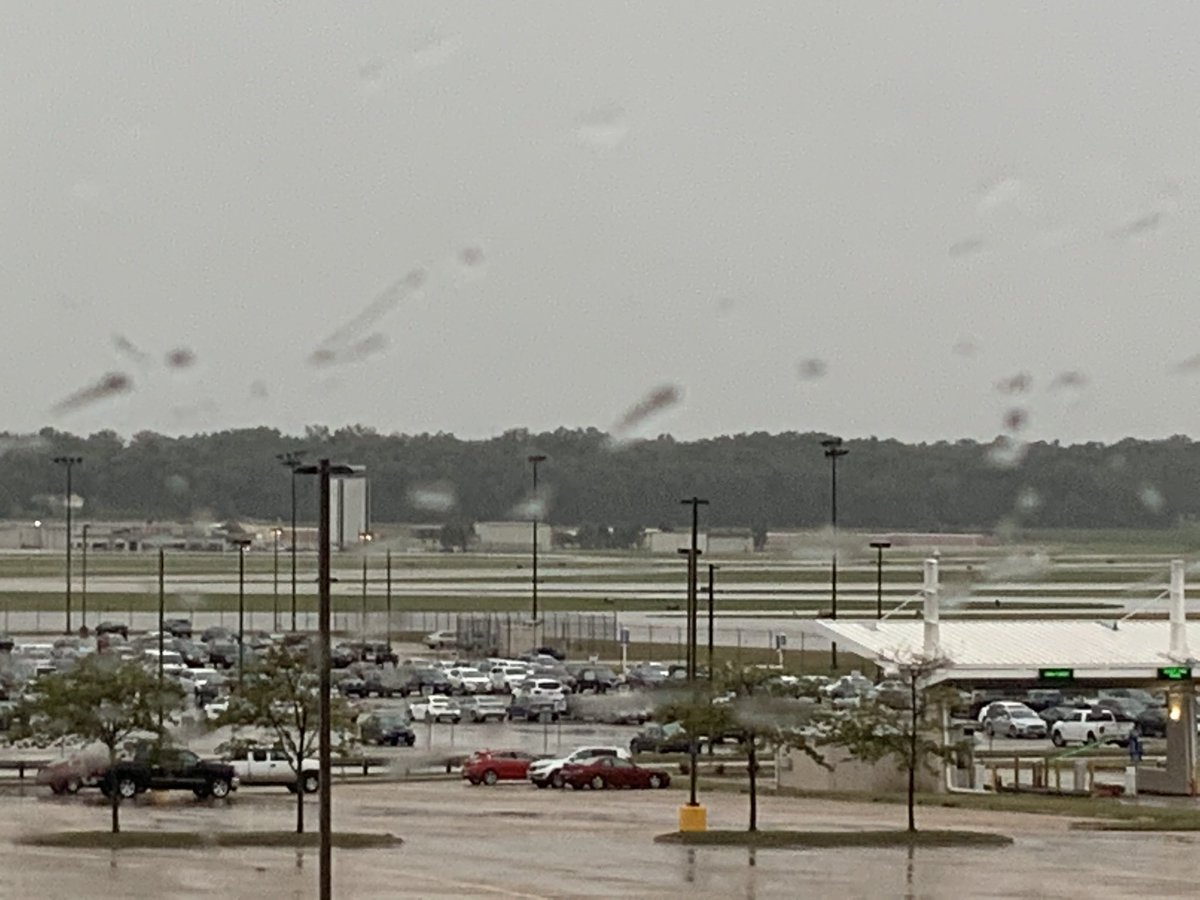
<point x="491" y="766"/>
<point x="647" y="675"/>
<point x="468" y="680"/>
<point x="439" y="640"/>
<point x="547" y="772"/>
<point x="507" y="676"/>
<point x="614" y="772"/>
<point x="1039" y="699"/>
<point x="597" y="679"/>
<point x="352" y="687"/>
<point x="533" y="708"/>
<point x="1012" y="719"/>
<point x="655" y="738"/>
<point x="181" y="628"/>
<point x="113" y="628"/>
<point x="1152" y="722"/>
<point x="1055" y="713"/>
<point x="1090" y="726"/>
<point x="482" y="707"/>
<point x="169" y="769"/>
<point x="435" y="707"/>
<point x="271" y="766"/>
<point x="386" y="681"/>
<point x="222" y="652"/>
<point x="68" y="776"/>
<point x="217" y="633"/>
<point x="387" y="727"/>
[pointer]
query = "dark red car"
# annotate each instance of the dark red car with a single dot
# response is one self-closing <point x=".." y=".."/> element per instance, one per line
<point x="611" y="771"/>
<point x="490" y="766"/>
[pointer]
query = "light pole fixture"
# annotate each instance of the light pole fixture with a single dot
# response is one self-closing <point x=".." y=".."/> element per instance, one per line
<point x="711" y="570"/>
<point x="324" y="470"/>
<point x="83" y="577"/>
<point x="68" y="463"/>
<point x="162" y="608"/>
<point x="365" y="538"/>
<point x="534" y="460"/>
<point x="241" y="543"/>
<point x="879" y="547"/>
<point x="292" y="459"/>
<point x="275" y="533"/>
<point x="693" y="818"/>
<point x="833" y="450"/>
<point x="389" y="599"/>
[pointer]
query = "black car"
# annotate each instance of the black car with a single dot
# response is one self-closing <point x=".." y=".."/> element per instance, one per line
<point x="387" y="728"/>
<point x="430" y="681"/>
<point x="597" y="679"/>
<point x="533" y="708"/>
<point x="647" y="676"/>
<point x="180" y="628"/>
<point x="113" y="628"/>
<point x="386" y="682"/>
<point x="342" y="656"/>
<point x="669" y="738"/>
<point x="194" y="655"/>
<point x="1152" y="722"/>
<point x="217" y="633"/>
<point x="549" y="651"/>
<point x="352" y="687"/>
<point x="168" y="769"/>
<point x="223" y="653"/>
<point x="378" y="652"/>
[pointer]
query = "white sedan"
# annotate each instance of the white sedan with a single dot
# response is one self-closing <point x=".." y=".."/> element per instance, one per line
<point x="435" y="708"/>
<point x="469" y="680"/>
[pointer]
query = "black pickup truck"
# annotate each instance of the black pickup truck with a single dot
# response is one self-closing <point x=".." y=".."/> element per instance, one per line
<point x="169" y="769"/>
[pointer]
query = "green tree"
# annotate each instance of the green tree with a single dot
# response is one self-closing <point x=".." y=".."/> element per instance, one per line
<point x="102" y="699"/>
<point x="905" y="730"/>
<point x="281" y="696"/>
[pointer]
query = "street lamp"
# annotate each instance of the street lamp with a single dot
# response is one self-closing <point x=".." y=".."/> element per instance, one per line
<point x="533" y="461"/>
<point x="389" y="599"/>
<point x="69" y="463"/>
<point x="879" y="547"/>
<point x="83" y="576"/>
<point x="833" y="449"/>
<point x="162" y="606"/>
<point x="365" y="538"/>
<point x="323" y="470"/>
<point x="241" y="543"/>
<point x="292" y="459"/>
<point x="275" y="533"/>
<point x="711" y="569"/>
<point x="692" y="817"/>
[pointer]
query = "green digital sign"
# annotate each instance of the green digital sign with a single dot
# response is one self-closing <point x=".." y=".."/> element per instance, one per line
<point x="1175" y="673"/>
<point x="1056" y="674"/>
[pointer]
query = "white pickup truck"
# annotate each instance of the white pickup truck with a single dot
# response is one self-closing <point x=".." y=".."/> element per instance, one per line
<point x="1090" y="726"/>
<point x="268" y="766"/>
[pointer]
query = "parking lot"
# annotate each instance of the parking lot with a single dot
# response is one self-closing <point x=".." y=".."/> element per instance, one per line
<point x="515" y="841"/>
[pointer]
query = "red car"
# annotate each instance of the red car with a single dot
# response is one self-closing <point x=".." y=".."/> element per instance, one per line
<point x="611" y="771"/>
<point x="490" y="766"/>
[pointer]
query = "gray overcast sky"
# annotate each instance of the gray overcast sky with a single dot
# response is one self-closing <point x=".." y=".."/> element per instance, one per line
<point x="919" y="199"/>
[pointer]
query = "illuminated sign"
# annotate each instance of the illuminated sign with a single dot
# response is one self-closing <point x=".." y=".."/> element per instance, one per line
<point x="1175" y="673"/>
<point x="1056" y="674"/>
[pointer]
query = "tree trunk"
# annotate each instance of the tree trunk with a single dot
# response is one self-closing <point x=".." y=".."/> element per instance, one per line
<point x="114" y="799"/>
<point x="752" y="770"/>
<point x="299" y="805"/>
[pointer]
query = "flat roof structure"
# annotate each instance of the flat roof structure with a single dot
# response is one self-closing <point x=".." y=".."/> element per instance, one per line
<point x="1021" y="649"/>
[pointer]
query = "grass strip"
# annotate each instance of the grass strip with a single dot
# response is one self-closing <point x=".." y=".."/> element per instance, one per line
<point x="805" y="840"/>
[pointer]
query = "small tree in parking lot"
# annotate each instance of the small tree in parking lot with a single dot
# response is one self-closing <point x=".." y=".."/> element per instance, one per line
<point x="281" y="696"/>
<point x="101" y="699"/>
<point x="740" y="706"/>
<point x="907" y="732"/>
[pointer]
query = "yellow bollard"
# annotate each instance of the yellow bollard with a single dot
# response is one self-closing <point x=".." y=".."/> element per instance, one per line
<point x="693" y="818"/>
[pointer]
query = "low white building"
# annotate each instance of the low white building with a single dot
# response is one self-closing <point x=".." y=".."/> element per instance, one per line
<point x="512" y="535"/>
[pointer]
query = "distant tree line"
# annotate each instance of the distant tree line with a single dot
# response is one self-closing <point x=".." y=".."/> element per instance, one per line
<point x="755" y="481"/>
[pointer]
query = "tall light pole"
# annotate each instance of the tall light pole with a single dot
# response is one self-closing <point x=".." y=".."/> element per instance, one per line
<point x="711" y="570"/>
<point x="365" y="538"/>
<point x="833" y="450"/>
<point x="879" y="546"/>
<point x="323" y="470"/>
<point x="291" y="459"/>
<point x="162" y="610"/>
<point x="275" y="533"/>
<point x="83" y="577"/>
<point x="69" y="463"/>
<point x="693" y="555"/>
<point x="534" y="460"/>
<point x="241" y="543"/>
<point x="389" y="599"/>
